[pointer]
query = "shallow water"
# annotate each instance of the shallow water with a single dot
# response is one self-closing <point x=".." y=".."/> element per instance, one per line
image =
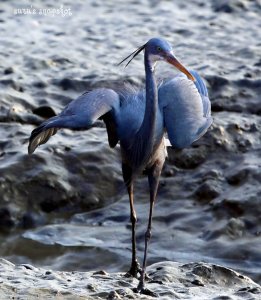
<point x="208" y="207"/>
<point x="183" y="231"/>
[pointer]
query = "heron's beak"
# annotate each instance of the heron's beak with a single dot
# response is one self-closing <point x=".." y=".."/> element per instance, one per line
<point x="173" y="61"/>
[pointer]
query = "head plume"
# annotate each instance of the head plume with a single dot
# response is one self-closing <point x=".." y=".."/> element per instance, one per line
<point x="132" y="55"/>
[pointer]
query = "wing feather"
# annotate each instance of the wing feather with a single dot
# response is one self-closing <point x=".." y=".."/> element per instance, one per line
<point x="81" y="113"/>
<point x="186" y="109"/>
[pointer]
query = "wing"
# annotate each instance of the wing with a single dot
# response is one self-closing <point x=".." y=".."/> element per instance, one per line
<point x="186" y="109"/>
<point x="81" y="113"/>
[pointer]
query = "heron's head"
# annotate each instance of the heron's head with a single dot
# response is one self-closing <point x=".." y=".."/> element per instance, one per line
<point x="157" y="49"/>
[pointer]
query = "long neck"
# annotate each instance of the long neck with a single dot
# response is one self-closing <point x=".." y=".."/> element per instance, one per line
<point x="144" y="141"/>
<point x="147" y="129"/>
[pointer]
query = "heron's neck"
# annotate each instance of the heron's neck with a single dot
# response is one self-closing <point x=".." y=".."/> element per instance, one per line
<point x="143" y="145"/>
<point x="148" y="127"/>
<point x="149" y="121"/>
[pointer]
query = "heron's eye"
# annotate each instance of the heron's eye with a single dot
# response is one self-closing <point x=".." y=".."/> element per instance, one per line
<point x="159" y="49"/>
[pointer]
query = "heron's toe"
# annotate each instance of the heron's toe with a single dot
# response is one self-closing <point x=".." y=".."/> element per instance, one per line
<point x="134" y="270"/>
<point x="145" y="291"/>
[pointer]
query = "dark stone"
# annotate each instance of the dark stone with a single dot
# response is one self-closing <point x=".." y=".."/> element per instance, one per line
<point x="113" y="295"/>
<point x="73" y="84"/>
<point x="248" y="75"/>
<point x="231" y="207"/>
<point x="202" y="271"/>
<point x="169" y="171"/>
<point x="40" y="84"/>
<point x="238" y="177"/>
<point x="228" y="6"/>
<point x="208" y="190"/>
<point x="91" y="287"/>
<point x="12" y="84"/>
<point x="50" y="205"/>
<point x="28" y="220"/>
<point x="187" y="158"/>
<point x="255" y="290"/>
<point x="184" y="32"/>
<point x="244" y="289"/>
<point x="197" y="282"/>
<point x="101" y="272"/>
<point x="223" y="8"/>
<point x="258" y="64"/>
<point x="223" y="298"/>
<point x="216" y="82"/>
<point x="59" y="59"/>
<point x="27" y="266"/>
<point x="6" y="220"/>
<point x="44" y="111"/>
<point x="9" y="70"/>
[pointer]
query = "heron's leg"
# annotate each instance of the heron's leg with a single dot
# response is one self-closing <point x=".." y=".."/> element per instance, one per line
<point x="127" y="176"/>
<point x="153" y="177"/>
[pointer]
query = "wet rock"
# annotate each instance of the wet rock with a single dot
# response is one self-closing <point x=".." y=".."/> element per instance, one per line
<point x="16" y="114"/>
<point x="213" y="174"/>
<point x="61" y="60"/>
<point x="49" y="205"/>
<point x="28" y="267"/>
<point x="197" y="282"/>
<point x="13" y="84"/>
<point x="38" y="63"/>
<point x="233" y="132"/>
<point x="64" y="180"/>
<point x="40" y="84"/>
<point x="113" y="295"/>
<point x="6" y="219"/>
<point x="216" y="82"/>
<point x="183" y="32"/>
<point x="187" y="158"/>
<point x="235" y="228"/>
<point x="220" y="138"/>
<point x="177" y="281"/>
<point x="237" y="96"/>
<point x="169" y="171"/>
<point x="230" y="206"/>
<point x="238" y="177"/>
<point x="8" y="70"/>
<point x="44" y="112"/>
<point x="202" y="271"/>
<point x="91" y="287"/>
<point x="258" y="63"/>
<point x="30" y="220"/>
<point x="208" y="190"/>
<point x="101" y="272"/>
<point x="229" y="6"/>
<point x="73" y="84"/>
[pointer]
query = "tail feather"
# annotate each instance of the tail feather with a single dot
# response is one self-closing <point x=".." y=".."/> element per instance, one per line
<point x="39" y="136"/>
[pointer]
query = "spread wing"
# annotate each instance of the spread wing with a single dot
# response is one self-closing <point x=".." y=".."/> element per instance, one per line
<point x="81" y="113"/>
<point x="186" y="109"/>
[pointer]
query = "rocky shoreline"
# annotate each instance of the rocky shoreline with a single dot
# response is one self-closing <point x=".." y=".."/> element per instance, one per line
<point x="168" y="280"/>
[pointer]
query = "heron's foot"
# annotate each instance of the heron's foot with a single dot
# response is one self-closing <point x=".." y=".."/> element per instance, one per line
<point x="134" y="270"/>
<point x="144" y="291"/>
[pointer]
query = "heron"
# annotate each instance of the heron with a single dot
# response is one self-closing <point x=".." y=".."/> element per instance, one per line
<point x="139" y="120"/>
